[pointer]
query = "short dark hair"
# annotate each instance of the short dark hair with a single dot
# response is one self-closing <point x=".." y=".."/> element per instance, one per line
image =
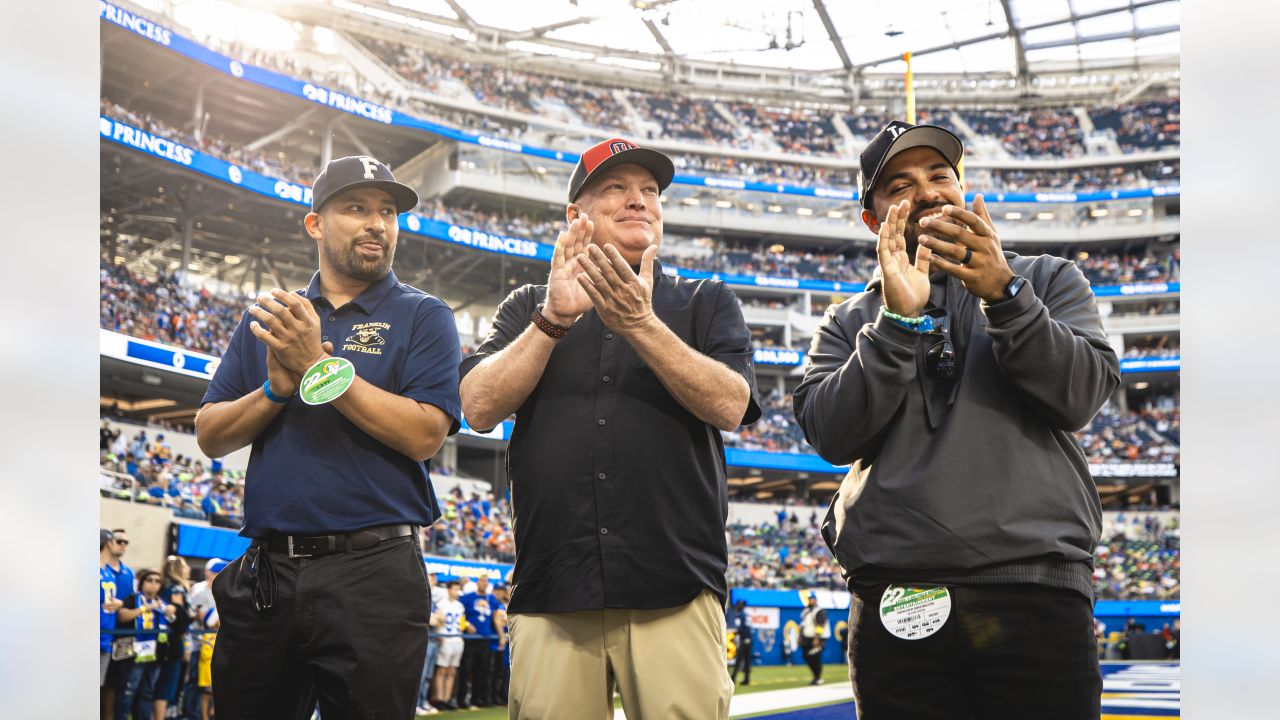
<point x="453" y="583"/>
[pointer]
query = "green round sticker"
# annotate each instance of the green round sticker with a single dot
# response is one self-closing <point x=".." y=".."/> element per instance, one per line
<point x="327" y="380"/>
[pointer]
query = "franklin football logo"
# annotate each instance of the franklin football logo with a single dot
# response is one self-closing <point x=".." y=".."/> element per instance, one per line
<point x="367" y="338"/>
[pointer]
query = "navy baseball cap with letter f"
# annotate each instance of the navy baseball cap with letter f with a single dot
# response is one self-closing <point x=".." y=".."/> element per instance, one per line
<point x="893" y="139"/>
<point x="360" y="171"/>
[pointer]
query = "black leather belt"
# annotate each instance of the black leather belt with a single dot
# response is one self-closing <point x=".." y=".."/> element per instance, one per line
<point x="303" y="546"/>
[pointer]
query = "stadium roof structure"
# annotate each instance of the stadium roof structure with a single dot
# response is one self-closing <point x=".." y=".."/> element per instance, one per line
<point x="815" y="50"/>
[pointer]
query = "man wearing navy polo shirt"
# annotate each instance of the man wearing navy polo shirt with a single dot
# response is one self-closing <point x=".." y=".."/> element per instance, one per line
<point x="345" y="391"/>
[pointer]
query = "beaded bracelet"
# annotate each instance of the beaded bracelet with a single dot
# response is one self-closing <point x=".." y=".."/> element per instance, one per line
<point x="542" y="323"/>
<point x="902" y="318"/>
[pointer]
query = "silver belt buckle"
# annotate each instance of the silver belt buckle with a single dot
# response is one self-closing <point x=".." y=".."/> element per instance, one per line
<point x="292" y="554"/>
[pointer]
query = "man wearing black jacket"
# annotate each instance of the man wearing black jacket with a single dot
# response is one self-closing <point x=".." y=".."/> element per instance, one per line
<point x="953" y="385"/>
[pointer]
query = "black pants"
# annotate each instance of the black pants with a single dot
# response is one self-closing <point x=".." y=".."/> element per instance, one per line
<point x="742" y="661"/>
<point x="347" y="630"/>
<point x="1006" y="651"/>
<point x="473" y="674"/>
<point x="499" y="679"/>
<point x="813" y="655"/>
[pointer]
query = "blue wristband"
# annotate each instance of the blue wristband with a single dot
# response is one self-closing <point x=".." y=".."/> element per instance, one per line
<point x="266" y="390"/>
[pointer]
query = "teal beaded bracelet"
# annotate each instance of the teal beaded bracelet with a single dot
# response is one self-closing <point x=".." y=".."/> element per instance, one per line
<point x="902" y="318"/>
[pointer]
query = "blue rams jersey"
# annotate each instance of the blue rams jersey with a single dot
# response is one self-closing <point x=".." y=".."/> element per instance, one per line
<point x="106" y="591"/>
<point x="113" y="583"/>
<point x="497" y="606"/>
<point x="480" y="611"/>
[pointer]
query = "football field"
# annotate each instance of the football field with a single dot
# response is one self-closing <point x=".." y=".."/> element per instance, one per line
<point x="1130" y="691"/>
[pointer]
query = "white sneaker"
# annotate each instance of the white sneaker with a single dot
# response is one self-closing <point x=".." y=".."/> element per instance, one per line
<point x="427" y="710"/>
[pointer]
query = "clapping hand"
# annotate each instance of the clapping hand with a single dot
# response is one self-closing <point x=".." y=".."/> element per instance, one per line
<point x="906" y="284"/>
<point x="969" y="249"/>
<point x="623" y="299"/>
<point x="289" y="327"/>
<point x="566" y="300"/>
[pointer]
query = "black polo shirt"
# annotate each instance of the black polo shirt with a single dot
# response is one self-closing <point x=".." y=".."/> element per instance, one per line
<point x="314" y="471"/>
<point x="618" y="492"/>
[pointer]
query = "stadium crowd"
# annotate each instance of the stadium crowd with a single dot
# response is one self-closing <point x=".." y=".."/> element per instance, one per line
<point x="145" y="469"/>
<point x="279" y="164"/>
<point x="1139" y="558"/>
<point x="1143" y="125"/>
<point x="1030" y="133"/>
<point x="1149" y="435"/>
<point x="164" y="310"/>
<point x="1024" y="133"/>
<point x="1145" y="436"/>
<point x="275" y="165"/>
<point x="1153" y="264"/>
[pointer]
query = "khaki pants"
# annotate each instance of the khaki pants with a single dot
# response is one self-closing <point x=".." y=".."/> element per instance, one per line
<point x="668" y="664"/>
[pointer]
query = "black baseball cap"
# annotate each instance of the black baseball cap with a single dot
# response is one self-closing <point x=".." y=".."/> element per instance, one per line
<point x="616" y="151"/>
<point x="105" y="536"/>
<point x="360" y="171"/>
<point x="893" y="139"/>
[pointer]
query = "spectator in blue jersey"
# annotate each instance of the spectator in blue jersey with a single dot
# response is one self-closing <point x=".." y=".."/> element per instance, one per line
<point x="500" y="673"/>
<point x="477" y="657"/>
<point x="109" y="601"/>
<point x="116" y="584"/>
<point x="150" y="616"/>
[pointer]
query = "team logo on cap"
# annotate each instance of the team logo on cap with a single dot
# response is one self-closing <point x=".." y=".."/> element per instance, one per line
<point x="620" y="146"/>
<point x="370" y="166"/>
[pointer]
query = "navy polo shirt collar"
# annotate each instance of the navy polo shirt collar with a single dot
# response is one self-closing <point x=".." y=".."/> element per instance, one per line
<point x="367" y="302"/>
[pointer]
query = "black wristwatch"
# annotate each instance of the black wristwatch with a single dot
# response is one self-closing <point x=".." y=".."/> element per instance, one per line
<point x="1011" y="290"/>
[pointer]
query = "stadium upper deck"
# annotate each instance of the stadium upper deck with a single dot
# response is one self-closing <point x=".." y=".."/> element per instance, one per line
<point x="509" y="93"/>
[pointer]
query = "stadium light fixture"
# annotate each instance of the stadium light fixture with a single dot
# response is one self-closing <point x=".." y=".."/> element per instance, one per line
<point x="1099" y="212"/>
<point x="723" y="204"/>
<point x="775" y="208"/>
<point x="1044" y="216"/>
<point x="1135" y="212"/>
<point x="231" y="259"/>
<point x="804" y="211"/>
<point x="690" y="201"/>
<point x="835" y="214"/>
<point x="1013" y="216"/>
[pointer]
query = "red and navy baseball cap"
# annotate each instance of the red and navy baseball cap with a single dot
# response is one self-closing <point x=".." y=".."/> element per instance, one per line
<point x="616" y="151"/>
<point x="359" y="171"/>
<point x="893" y="139"/>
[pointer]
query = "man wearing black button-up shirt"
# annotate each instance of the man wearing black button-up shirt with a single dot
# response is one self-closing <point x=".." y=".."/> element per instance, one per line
<point x="621" y="378"/>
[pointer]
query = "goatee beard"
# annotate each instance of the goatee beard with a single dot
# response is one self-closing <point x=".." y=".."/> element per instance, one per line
<point x="349" y="263"/>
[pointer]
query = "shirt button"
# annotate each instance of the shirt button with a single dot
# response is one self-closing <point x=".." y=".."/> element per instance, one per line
<point x="333" y="317"/>
<point x="600" y="421"/>
<point x="608" y="336"/>
<point x="601" y="475"/>
<point x="324" y="337"/>
<point x="604" y="531"/>
<point x="605" y="378"/>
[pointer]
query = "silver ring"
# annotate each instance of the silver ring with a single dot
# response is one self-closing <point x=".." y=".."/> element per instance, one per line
<point x="968" y="255"/>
